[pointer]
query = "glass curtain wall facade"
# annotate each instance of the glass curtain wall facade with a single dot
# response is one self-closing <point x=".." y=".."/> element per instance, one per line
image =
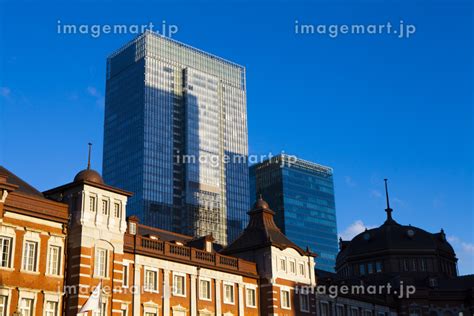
<point x="172" y="115"/>
<point x="302" y="195"/>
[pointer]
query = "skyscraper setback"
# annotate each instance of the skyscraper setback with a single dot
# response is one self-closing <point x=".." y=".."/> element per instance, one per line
<point x="172" y="113"/>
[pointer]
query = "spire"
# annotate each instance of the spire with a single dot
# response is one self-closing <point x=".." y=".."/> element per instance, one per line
<point x="89" y="157"/>
<point x="388" y="209"/>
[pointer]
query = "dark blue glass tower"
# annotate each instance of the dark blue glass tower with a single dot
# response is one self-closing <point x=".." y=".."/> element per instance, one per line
<point x="175" y="134"/>
<point x="302" y="195"/>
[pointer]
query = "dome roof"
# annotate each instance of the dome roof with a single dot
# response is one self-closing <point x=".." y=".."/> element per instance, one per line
<point x="391" y="236"/>
<point x="89" y="175"/>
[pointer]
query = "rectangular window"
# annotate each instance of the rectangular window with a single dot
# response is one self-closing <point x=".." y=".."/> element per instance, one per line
<point x="179" y="285"/>
<point x="362" y="269"/>
<point x="26" y="307"/>
<point x="285" y="299"/>
<point x="3" y="305"/>
<point x="151" y="280"/>
<point x="370" y="268"/>
<point x="251" y="295"/>
<point x="51" y="308"/>
<point x="105" y="207"/>
<point x="302" y="269"/>
<point x="339" y="310"/>
<point x="92" y="203"/>
<point x="29" y="256"/>
<point x="204" y="289"/>
<point x="378" y="266"/>
<point x="229" y="293"/>
<point x="125" y="276"/>
<point x="283" y="264"/>
<point x="292" y="267"/>
<point x="54" y="260"/>
<point x="405" y="265"/>
<point x="423" y="264"/>
<point x="102" y="311"/>
<point x="324" y="309"/>
<point x="304" y="302"/>
<point x="100" y="263"/>
<point x="5" y="248"/>
<point x="354" y="311"/>
<point x="117" y="210"/>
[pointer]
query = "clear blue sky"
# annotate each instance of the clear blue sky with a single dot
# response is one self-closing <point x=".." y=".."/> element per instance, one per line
<point x="368" y="106"/>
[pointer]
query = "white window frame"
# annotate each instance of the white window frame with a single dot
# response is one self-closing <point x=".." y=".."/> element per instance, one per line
<point x="55" y="242"/>
<point x="9" y="232"/>
<point x="119" y="210"/>
<point x="11" y="249"/>
<point x="145" y="287"/>
<point x="6" y="294"/>
<point x="103" y="308"/>
<point x="31" y="237"/>
<point x="125" y="275"/>
<point x="254" y="290"/>
<point x="282" y="267"/>
<point x="52" y="297"/>
<point x="292" y="266"/>
<point x="93" y="206"/>
<point x="107" y="207"/>
<point x="302" y="269"/>
<point x="209" y="282"/>
<point x="226" y="300"/>
<point x="301" y="304"/>
<point x="285" y="290"/>
<point x="54" y="312"/>
<point x="97" y="273"/>
<point x="29" y="296"/>
<point x="175" y="292"/>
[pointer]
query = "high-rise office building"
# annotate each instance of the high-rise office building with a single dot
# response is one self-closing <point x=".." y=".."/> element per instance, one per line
<point x="302" y="195"/>
<point x="176" y="135"/>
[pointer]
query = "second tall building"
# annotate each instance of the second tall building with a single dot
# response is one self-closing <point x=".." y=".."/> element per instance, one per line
<point x="176" y="134"/>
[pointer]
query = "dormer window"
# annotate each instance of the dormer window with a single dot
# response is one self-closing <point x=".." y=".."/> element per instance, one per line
<point x="208" y="246"/>
<point x="132" y="228"/>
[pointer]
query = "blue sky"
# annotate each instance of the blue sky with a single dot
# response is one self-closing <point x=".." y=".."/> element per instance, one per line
<point x="370" y="106"/>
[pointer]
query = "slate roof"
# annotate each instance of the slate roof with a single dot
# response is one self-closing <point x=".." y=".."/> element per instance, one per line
<point x="262" y="232"/>
<point x="394" y="236"/>
<point x="23" y="187"/>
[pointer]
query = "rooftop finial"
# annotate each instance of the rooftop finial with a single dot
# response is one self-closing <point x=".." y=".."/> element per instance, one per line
<point x="89" y="157"/>
<point x="388" y="209"/>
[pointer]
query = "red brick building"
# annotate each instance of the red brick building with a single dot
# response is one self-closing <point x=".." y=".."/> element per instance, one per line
<point x="73" y="237"/>
<point x="32" y="243"/>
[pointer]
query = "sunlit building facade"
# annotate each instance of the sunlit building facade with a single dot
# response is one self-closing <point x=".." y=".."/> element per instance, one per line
<point x="173" y="113"/>
<point x="302" y="195"/>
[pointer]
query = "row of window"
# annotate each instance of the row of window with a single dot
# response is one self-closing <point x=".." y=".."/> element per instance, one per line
<point x="342" y="310"/>
<point x="27" y="306"/>
<point x="30" y="256"/>
<point x="289" y="266"/>
<point x="205" y="292"/>
<point x="105" y="207"/>
<point x="285" y="300"/>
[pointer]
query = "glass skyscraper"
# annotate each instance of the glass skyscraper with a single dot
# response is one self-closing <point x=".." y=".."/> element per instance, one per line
<point x="302" y="195"/>
<point x="176" y="136"/>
